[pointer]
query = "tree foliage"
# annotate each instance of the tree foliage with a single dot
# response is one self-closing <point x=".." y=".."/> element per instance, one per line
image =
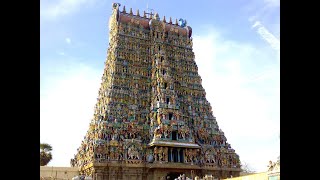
<point x="246" y="168"/>
<point x="45" y="154"/>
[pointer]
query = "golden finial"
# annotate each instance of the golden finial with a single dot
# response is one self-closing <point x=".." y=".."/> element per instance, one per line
<point x="156" y="16"/>
<point x="164" y="19"/>
<point x="130" y="11"/>
<point x="138" y="13"/>
<point x="124" y="9"/>
<point x="144" y="14"/>
<point x="170" y="22"/>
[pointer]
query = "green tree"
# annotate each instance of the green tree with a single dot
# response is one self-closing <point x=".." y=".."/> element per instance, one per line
<point x="45" y="154"/>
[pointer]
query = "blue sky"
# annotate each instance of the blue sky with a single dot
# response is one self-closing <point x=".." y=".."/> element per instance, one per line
<point x="237" y="49"/>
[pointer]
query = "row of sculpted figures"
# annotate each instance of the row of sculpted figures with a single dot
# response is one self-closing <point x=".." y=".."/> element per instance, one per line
<point x="136" y="152"/>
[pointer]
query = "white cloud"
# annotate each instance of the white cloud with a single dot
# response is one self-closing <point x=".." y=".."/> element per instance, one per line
<point x="267" y="36"/>
<point x="266" y="12"/>
<point x="256" y="23"/>
<point x="68" y="40"/>
<point x="62" y="7"/>
<point x="66" y="108"/>
<point x="242" y="85"/>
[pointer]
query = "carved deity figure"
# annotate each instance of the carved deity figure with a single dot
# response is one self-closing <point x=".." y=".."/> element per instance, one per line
<point x="158" y="132"/>
<point x="112" y="154"/>
<point x="167" y="131"/>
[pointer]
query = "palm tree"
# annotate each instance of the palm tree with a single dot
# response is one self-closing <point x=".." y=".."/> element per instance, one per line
<point x="45" y="154"/>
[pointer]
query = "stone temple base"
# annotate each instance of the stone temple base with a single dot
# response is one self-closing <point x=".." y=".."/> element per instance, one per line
<point x="155" y="171"/>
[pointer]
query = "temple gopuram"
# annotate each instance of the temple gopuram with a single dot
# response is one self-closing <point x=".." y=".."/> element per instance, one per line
<point x="152" y="119"/>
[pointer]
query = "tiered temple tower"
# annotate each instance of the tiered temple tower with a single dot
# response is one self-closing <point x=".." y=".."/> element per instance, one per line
<point x="152" y="119"/>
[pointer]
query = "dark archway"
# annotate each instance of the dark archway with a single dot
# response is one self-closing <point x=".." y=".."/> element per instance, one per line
<point x="172" y="175"/>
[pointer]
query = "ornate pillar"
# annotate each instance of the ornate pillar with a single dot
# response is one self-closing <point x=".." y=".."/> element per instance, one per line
<point x="166" y="152"/>
<point x="182" y="155"/>
<point x="98" y="175"/>
<point x="171" y="155"/>
<point x="178" y="154"/>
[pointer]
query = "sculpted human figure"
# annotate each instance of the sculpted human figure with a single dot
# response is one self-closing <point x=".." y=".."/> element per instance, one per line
<point x="160" y="154"/>
<point x="185" y="155"/>
<point x="112" y="155"/>
<point x="189" y="155"/>
<point x="155" y="153"/>
<point x="169" y="130"/>
<point x="195" y="155"/>
<point x="133" y="153"/>
<point x="183" y="134"/>
<point x="130" y="153"/>
<point x="207" y="156"/>
<point x="116" y="155"/>
<point x="166" y="131"/>
<point x="157" y="132"/>
<point x="270" y="166"/>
